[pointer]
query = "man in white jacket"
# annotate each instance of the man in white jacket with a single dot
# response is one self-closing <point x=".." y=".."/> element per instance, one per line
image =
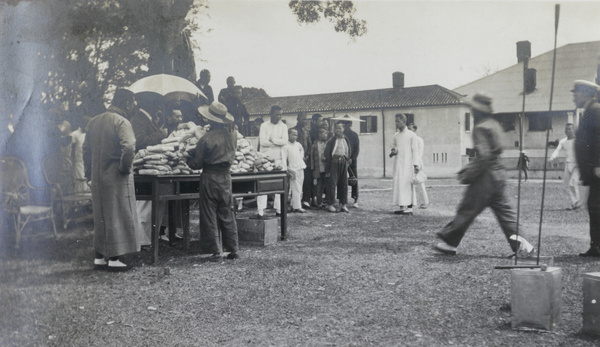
<point x="273" y="136"/>
<point x="419" y="193"/>
<point x="571" y="173"/>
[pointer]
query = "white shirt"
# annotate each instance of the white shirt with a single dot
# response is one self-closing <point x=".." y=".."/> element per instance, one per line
<point x="295" y="156"/>
<point x="278" y="133"/>
<point x="568" y="146"/>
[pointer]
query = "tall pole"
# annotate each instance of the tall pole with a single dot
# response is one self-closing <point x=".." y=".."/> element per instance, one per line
<point x="521" y="154"/>
<point x="556" y="16"/>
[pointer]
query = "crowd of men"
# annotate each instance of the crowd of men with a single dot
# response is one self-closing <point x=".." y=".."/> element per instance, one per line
<point x="319" y="165"/>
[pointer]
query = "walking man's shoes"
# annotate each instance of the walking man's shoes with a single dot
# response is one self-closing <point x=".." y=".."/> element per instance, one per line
<point x="590" y="253"/>
<point x="445" y="248"/>
<point x="232" y="256"/>
<point x="100" y="264"/>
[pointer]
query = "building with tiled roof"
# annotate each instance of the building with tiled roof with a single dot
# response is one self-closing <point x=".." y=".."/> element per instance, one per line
<point x="437" y="111"/>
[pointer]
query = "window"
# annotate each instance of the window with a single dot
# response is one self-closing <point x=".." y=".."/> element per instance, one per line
<point x="467" y="121"/>
<point x="369" y="125"/>
<point x="440" y="157"/>
<point x="539" y="121"/>
<point x="507" y="120"/>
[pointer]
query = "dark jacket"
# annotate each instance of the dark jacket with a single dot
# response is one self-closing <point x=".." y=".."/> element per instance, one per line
<point x="207" y="90"/>
<point x="147" y="133"/>
<point x="329" y="151"/>
<point x="354" y="143"/>
<point x="587" y="143"/>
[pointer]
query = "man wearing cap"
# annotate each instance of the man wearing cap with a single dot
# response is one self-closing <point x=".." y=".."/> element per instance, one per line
<point x="486" y="179"/>
<point x="108" y="153"/>
<point x="214" y="154"/>
<point x="587" y="151"/>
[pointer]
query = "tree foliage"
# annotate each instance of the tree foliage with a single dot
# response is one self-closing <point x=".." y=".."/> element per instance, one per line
<point x="340" y="13"/>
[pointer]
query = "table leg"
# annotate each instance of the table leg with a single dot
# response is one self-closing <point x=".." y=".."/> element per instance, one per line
<point x="172" y="206"/>
<point x="155" y="229"/>
<point x="284" y="203"/>
<point x="185" y="220"/>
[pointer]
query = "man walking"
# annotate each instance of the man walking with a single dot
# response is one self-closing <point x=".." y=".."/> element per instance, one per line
<point x="587" y="151"/>
<point x="571" y="172"/>
<point x="486" y="179"/>
<point x="108" y="153"/>
<point x="406" y="165"/>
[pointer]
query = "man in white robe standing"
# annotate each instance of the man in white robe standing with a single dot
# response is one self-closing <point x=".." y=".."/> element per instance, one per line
<point x="406" y="165"/>
<point x="273" y="136"/>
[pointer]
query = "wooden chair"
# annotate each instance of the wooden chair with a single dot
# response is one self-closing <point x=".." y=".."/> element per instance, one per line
<point x="16" y="196"/>
<point x="70" y="204"/>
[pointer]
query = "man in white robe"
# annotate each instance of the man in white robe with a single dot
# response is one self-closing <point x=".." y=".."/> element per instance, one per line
<point x="273" y="136"/>
<point x="406" y="164"/>
<point x="571" y="173"/>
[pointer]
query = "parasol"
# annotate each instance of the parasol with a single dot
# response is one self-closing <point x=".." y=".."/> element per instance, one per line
<point x="169" y="86"/>
<point x="348" y="118"/>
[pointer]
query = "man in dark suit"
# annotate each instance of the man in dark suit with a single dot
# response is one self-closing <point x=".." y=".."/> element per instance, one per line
<point x="587" y="151"/>
<point x="203" y="85"/>
<point x="355" y="146"/>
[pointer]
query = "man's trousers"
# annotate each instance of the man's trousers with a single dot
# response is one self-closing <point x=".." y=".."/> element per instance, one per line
<point x="484" y="192"/>
<point x="216" y="215"/>
<point x="338" y="178"/>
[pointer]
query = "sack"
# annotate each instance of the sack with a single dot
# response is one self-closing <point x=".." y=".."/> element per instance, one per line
<point x="419" y="177"/>
<point x="352" y="180"/>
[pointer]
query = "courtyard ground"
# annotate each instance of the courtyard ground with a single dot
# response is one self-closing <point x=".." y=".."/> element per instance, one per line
<point x="368" y="278"/>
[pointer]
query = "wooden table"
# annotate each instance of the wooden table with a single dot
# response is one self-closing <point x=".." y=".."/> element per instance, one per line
<point x="172" y="188"/>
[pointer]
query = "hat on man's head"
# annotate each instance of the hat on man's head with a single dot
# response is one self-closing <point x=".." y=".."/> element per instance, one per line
<point x="216" y="112"/>
<point x="481" y="102"/>
<point x="583" y="85"/>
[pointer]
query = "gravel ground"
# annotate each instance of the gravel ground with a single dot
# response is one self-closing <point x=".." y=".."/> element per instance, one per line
<point x="368" y="278"/>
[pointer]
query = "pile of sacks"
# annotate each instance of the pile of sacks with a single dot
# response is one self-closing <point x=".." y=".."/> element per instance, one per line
<point x="247" y="159"/>
<point x="170" y="157"/>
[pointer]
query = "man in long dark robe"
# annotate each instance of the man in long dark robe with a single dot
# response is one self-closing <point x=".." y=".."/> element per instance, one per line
<point x="108" y="155"/>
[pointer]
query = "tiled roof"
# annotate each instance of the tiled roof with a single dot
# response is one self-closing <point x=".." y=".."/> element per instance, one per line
<point x="432" y="95"/>
<point x="573" y="61"/>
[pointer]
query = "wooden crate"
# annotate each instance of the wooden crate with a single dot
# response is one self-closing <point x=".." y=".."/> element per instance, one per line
<point x="259" y="232"/>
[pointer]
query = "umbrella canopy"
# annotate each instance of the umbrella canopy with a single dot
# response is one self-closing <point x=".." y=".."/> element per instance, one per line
<point x="348" y="118"/>
<point x="170" y="86"/>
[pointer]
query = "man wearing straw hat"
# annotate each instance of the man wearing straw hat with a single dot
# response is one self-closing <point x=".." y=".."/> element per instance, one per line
<point x="486" y="179"/>
<point x="214" y="154"/>
<point x="587" y="151"/>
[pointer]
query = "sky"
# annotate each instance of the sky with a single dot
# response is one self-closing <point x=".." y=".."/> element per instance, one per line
<point x="448" y="43"/>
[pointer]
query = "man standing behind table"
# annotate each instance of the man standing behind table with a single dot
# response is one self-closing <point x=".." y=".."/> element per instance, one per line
<point x="108" y="153"/>
<point x="203" y="84"/>
<point x="420" y="194"/>
<point x="214" y="154"/>
<point x="273" y="136"/>
<point x="406" y="165"/>
<point x="237" y="109"/>
<point x="487" y="181"/>
<point x="337" y="159"/>
<point x="226" y="93"/>
<point x="587" y="151"/>
<point x="303" y="129"/>
<point x="355" y="149"/>
<point x="571" y="173"/>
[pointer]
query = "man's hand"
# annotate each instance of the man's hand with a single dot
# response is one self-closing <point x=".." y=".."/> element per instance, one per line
<point x="417" y="168"/>
<point x="597" y="172"/>
<point x="393" y="152"/>
<point x="314" y="182"/>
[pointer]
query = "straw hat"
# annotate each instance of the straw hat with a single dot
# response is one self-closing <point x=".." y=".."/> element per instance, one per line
<point x="216" y="112"/>
<point x="481" y="102"/>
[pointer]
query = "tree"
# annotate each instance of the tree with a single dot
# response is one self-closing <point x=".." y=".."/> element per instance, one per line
<point x="340" y="13"/>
